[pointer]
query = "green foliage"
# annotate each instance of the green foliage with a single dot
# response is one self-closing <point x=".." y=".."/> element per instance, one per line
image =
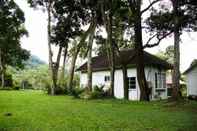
<point x="97" y="93"/>
<point x="194" y="62"/>
<point x="76" y="92"/>
<point x="37" y="77"/>
<point x="8" y="80"/>
<point x="76" y="80"/>
<point x="16" y="88"/>
<point x="11" y="30"/>
<point x="162" y="20"/>
<point x="168" y="55"/>
<point x="47" y="88"/>
<point x="192" y="97"/>
<point x="58" y="90"/>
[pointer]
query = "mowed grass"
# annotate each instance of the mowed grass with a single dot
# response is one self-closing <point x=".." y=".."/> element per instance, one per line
<point x="36" y="111"/>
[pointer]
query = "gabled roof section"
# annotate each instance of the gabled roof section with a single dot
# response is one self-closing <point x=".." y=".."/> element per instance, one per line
<point x="100" y="63"/>
<point x="192" y="66"/>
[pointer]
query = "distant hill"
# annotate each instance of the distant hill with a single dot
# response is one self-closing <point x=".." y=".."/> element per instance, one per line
<point x="34" y="61"/>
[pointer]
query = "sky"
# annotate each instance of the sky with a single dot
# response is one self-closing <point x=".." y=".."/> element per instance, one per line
<point x="36" y="43"/>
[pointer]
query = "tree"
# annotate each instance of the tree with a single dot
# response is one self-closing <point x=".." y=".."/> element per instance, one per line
<point x="155" y="38"/>
<point x="90" y="46"/>
<point x="67" y="17"/>
<point x="120" y="22"/>
<point x="91" y="17"/>
<point x="176" y="70"/>
<point x="135" y="8"/>
<point x="111" y="47"/>
<point x="167" y="55"/>
<point x="75" y="52"/>
<point x="92" y="7"/>
<point x="114" y="15"/>
<point x="11" y="30"/>
<point x="70" y="18"/>
<point x="47" y="5"/>
<point x="181" y="18"/>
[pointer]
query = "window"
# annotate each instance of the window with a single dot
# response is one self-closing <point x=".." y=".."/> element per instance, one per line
<point x="107" y="78"/>
<point x="160" y="80"/>
<point x="132" y="82"/>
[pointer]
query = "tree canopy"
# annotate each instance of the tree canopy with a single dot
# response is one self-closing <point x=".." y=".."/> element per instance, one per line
<point x="11" y="30"/>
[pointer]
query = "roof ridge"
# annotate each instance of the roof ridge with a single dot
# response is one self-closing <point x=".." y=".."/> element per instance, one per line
<point x="100" y="61"/>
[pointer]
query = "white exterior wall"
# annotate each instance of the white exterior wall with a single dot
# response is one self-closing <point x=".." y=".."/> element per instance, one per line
<point x="118" y="84"/>
<point x="134" y="94"/>
<point x="150" y="76"/>
<point x="97" y="78"/>
<point x="192" y="82"/>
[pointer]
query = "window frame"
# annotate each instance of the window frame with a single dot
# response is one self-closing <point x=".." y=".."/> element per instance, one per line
<point x="131" y="83"/>
<point x="107" y="78"/>
<point x="160" y="80"/>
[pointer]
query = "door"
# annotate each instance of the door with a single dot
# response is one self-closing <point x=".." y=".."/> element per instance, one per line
<point x="132" y="88"/>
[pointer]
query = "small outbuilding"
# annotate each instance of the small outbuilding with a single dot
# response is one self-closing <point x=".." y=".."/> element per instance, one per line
<point x="155" y="72"/>
<point x="191" y="79"/>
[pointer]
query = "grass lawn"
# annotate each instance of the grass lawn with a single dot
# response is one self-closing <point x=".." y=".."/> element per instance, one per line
<point x="36" y="111"/>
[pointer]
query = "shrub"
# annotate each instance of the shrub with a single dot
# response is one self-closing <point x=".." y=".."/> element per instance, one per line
<point x="8" y="82"/>
<point x="60" y="90"/>
<point x="16" y="87"/>
<point x="76" y="92"/>
<point x="25" y="84"/>
<point x="47" y="88"/>
<point x="76" y="81"/>
<point x="192" y="97"/>
<point x="97" y="93"/>
<point x="99" y="89"/>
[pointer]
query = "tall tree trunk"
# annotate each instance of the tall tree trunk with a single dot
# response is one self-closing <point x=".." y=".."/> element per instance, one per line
<point x="144" y="91"/>
<point x="74" y="58"/>
<point x="125" y="79"/>
<point x="176" y="68"/>
<point x="90" y="45"/>
<point x="110" y="45"/>
<point x="112" y="57"/>
<point x="112" y="74"/>
<point x="89" y="63"/>
<point x="51" y="69"/>
<point x="72" y="69"/>
<point x="2" y="70"/>
<point x="62" y="76"/>
<point x="3" y="78"/>
<point x="56" y="69"/>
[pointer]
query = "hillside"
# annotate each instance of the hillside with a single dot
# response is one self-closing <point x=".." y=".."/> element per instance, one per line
<point x="34" y="61"/>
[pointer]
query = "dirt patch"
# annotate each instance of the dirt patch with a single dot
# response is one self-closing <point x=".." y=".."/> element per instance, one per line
<point x="8" y="114"/>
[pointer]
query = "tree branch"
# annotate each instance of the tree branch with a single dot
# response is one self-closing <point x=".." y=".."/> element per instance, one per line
<point x="150" y="39"/>
<point x="148" y="45"/>
<point x="149" y="6"/>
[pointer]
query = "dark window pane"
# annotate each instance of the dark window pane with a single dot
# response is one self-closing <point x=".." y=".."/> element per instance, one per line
<point x="107" y="78"/>
<point x="132" y="82"/>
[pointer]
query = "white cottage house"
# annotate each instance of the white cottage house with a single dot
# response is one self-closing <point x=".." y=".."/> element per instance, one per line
<point x="191" y="79"/>
<point x="155" y="71"/>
